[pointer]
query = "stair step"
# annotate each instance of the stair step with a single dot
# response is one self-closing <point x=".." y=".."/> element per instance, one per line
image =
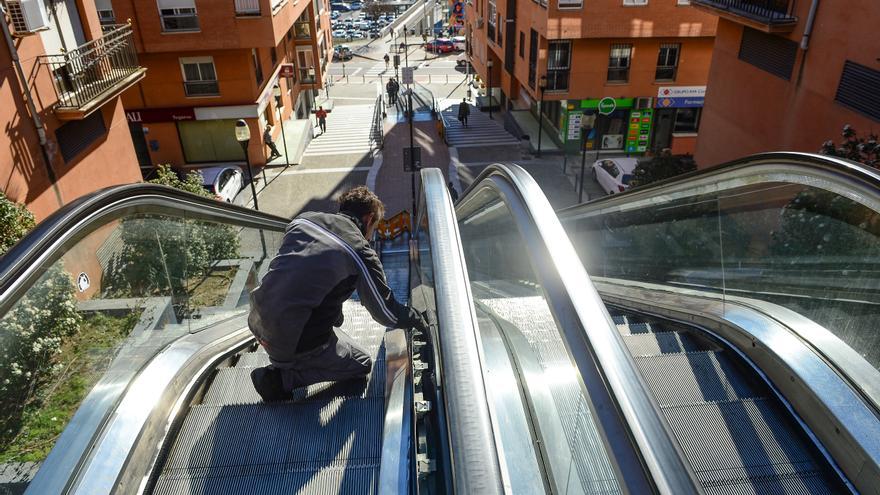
<point x="697" y="377"/>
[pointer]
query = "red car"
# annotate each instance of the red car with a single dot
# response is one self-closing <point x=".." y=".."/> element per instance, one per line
<point x="440" y="45"/>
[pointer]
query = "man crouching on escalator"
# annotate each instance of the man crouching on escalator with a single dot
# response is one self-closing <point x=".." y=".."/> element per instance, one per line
<point x="296" y="311"/>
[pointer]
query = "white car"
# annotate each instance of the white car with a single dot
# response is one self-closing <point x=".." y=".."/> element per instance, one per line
<point x="459" y="43"/>
<point x="224" y="182"/>
<point x="614" y="174"/>
<point x="340" y="33"/>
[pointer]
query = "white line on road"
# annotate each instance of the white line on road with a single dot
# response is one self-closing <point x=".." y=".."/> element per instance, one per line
<point x="335" y="170"/>
<point x="374" y="171"/>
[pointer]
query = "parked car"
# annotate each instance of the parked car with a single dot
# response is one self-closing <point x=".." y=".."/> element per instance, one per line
<point x="339" y="33"/>
<point x="356" y="5"/>
<point x="334" y="14"/>
<point x="462" y="61"/>
<point x="342" y="52"/>
<point x="375" y="33"/>
<point x="340" y="7"/>
<point x="614" y="174"/>
<point x="223" y="182"/>
<point x="440" y="45"/>
<point x="459" y="43"/>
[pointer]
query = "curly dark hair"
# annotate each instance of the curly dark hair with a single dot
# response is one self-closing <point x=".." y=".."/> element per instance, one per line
<point x="360" y="201"/>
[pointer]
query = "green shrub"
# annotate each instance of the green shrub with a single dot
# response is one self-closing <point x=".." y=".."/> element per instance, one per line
<point x="862" y="149"/>
<point x="661" y="167"/>
<point x="15" y="221"/>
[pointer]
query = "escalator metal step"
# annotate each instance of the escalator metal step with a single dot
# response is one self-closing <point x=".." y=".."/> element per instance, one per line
<point x="692" y="378"/>
<point x="747" y="446"/>
<point x="325" y="480"/>
<point x="252" y="360"/>
<point x="643" y="327"/>
<point x="654" y="344"/>
<point x="233" y="386"/>
<point x="274" y="441"/>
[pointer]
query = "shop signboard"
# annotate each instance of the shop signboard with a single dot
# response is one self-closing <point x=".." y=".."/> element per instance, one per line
<point x="619" y="103"/>
<point x="574" y="125"/>
<point x="681" y="96"/>
<point x="638" y="135"/>
<point x="607" y="106"/>
<point x="150" y="115"/>
<point x="287" y="70"/>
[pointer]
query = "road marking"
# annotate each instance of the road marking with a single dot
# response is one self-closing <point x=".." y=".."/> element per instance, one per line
<point x="352" y="74"/>
<point x="335" y="170"/>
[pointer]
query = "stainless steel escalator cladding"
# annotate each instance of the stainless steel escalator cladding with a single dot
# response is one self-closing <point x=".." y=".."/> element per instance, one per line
<point x="475" y="457"/>
<point x="637" y="441"/>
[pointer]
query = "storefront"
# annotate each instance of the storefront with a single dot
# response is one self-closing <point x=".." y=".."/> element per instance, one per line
<point x="677" y="118"/>
<point x="618" y="124"/>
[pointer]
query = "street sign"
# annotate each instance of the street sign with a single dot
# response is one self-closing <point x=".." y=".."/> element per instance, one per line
<point x="412" y="159"/>
<point x="406" y="75"/>
<point x="287" y="70"/>
<point x="607" y="105"/>
<point x="396" y="61"/>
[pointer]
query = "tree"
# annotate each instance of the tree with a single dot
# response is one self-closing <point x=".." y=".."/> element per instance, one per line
<point x="663" y="166"/>
<point x="862" y="149"/>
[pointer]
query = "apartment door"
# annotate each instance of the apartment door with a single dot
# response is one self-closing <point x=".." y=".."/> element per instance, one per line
<point x="140" y="144"/>
<point x="305" y="58"/>
<point x="663" y="120"/>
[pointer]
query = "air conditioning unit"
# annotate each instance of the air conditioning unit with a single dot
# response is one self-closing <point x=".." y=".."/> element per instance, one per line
<point x="612" y="141"/>
<point x="644" y="102"/>
<point x="28" y="16"/>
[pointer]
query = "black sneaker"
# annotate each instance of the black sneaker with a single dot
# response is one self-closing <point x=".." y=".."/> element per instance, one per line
<point x="267" y="382"/>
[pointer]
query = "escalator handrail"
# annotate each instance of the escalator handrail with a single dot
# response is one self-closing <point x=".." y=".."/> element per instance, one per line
<point x="21" y="263"/>
<point x="809" y="162"/>
<point x="600" y="340"/>
<point x="476" y="467"/>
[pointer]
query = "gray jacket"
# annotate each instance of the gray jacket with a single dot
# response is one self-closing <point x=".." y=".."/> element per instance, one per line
<point x="323" y="258"/>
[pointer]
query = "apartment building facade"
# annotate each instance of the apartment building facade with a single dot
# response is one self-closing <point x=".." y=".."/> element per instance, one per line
<point x="788" y="75"/>
<point x="638" y="67"/>
<point x="212" y="62"/>
<point x="62" y="73"/>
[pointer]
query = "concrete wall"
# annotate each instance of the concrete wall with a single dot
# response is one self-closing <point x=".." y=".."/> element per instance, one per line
<point x="749" y="110"/>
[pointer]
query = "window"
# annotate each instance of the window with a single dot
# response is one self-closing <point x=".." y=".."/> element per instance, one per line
<point x="106" y="17"/>
<point x="687" y="120"/>
<point x="558" y="65"/>
<point x="77" y="135"/>
<point x="522" y="42"/>
<point x="667" y="62"/>
<point x="858" y="89"/>
<point x="178" y="15"/>
<point x="302" y="27"/>
<point x="611" y="168"/>
<point x="618" y="63"/>
<point x="635" y="2"/>
<point x="199" y="76"/>
<point x="683" y="2"/>
<point x="492" y="18"/>
<point x="570" y="4"/>
<point x="533" y="57"/>
<point x="767" y="52"/>
<point x="258" y="67"/>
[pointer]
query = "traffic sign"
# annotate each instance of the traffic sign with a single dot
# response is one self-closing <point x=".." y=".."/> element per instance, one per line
<point x="607" y="105"/>
<point x="406" y="75"/>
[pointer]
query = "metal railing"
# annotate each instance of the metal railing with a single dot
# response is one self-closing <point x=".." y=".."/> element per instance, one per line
<point x="768" y="11"/>
<point x="247" y="7"/>
<point x="201" y="88"/>
<point x="85" y="73"/>
<point x="377" y="132"/>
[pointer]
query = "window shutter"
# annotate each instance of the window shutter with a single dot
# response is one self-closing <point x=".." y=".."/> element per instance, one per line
<point x="176" y="4"/>
<point x="77" y="135"/>
<point x="767" y="52"/>
<point x="859" y="89"/>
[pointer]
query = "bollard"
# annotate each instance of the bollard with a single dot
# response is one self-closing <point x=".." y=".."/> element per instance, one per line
<point x="447" y="78"/>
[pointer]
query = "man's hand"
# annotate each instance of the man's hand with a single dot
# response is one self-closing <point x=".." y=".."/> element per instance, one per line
<point x="416" y="321"/>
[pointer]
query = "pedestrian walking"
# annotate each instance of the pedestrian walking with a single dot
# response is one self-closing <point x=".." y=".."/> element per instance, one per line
<point x="389" y="89"/>
<point x="267" y="140"/>
<point x="387" y="61"/>
<point x="321" y="115"/>
<point x="463" y="111"/>
<point x="395" y="88"/>
<point x="296" y="311"/>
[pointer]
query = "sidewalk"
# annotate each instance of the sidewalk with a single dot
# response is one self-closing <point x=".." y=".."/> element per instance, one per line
<point x="292" y="143"/>
<point x="529" y="125"/>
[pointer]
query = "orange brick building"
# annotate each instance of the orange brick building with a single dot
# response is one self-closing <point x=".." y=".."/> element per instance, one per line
<point x="627" y="52"/>
<point x="212" y="62"/>
<point x="783" y="79"/>
<point x="64" y="132"/>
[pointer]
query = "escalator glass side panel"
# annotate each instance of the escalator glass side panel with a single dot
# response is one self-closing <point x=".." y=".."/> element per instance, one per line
<point x="104" y="303"/>
<point x="504" y="282"/>
<point x="800" y="246"/>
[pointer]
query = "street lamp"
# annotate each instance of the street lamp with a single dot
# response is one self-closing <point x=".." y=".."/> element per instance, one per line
<point x="489" y="88"/>
<point x="542" y="85"/>
<point x="243" y="136"/>
<point x="277" y="92"/>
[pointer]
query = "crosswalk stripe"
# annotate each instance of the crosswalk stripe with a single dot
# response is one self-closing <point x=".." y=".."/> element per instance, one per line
<point x="349" y="131"/>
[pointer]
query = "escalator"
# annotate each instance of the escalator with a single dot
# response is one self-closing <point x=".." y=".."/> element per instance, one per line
<point x="560" y="357"/>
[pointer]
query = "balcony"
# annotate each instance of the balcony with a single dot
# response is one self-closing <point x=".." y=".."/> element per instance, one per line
<point x="92" y="74"/>
<point x="771" y="16"/>
<point x="307" y="76"/>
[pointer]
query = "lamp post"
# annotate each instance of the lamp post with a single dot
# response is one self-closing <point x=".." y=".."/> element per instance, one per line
<point x="243" y="136"/>
<point x="542" y="85"/>
<point x="277" y="92"/>
<point x="489" y="87"/>
<point x="311" y="73"/>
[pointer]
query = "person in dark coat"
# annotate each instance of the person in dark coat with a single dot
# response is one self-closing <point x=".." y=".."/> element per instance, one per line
<point x="463" y="111"/>
<point x="296" y="311"/>
<point x="267" y="139"/>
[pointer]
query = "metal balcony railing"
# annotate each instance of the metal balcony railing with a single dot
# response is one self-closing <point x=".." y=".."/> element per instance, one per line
<point x="765" y="11"/>
<point x="201" y="88"/>
<point x="91" y="71"/>
<point x="247" y="7"/>
<point x="305" y="77"/>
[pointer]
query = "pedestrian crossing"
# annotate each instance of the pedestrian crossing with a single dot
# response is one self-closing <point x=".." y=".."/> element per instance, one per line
<point x="480" y="131"/>
<point x="349" y="131"/>
<point x="378" y="69"/>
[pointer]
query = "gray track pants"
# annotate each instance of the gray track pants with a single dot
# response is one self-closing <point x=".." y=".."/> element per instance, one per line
<point x="339" y="359"/>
